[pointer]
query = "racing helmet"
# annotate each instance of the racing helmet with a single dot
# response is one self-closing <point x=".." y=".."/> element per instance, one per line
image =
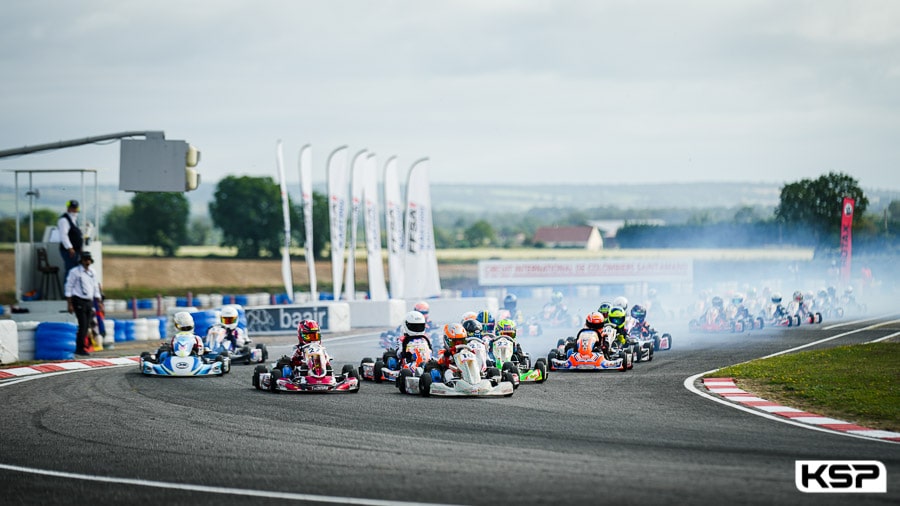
<point x="468" y="315"/>
<point x="472" y="328"/>
<point x="832" y="291"/>
<point x="486" y="319"/>
<point x="414" y="324"/>
<point x="798" y="296"/>
<point x="229" y="317"/>
<point x="638" y="312"/>
<point x="737" y="299"/>
<point x="506" y="327"/>
<point x="604" y="309"/>
<point x="509" y="302"/>
<point x="454" y="335"/>
<point x="717" y="301"/>
<point x="556" y="298"/>
<point x="822" y="293"/>
<point x="849" y="290"/>
<point x="594" y="320"/>
<point x="423" y="308"/>
<point x="308" y="332"/>
<point x="621" y="301"/>
<point x="617" y="317"/>
<point x="183" y="321"/>
<point x="776" y="298"/>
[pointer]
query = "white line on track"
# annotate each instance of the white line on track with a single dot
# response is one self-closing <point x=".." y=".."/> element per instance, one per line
<point x="689" y="385"/>
<point x="214" y="490"/>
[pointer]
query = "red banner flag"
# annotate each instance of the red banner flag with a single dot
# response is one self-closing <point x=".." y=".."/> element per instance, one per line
<point x="846" y="240"/>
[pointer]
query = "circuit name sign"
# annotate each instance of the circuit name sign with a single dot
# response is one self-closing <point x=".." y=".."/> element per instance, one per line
<point x="580" y="272"/>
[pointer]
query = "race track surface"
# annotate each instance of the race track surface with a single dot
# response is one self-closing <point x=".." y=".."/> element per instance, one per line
<point x="638" y="437"/>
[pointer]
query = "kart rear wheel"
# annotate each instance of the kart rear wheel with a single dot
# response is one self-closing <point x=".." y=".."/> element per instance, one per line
<point x="510" y="373"/>
<point x="425" y="385"/>
<point x="273" y="380"/>
<point x="265" y="351"/>
<point x="363" y="361"/>
<point x="377" y="373"/>
<point x="541" y="366"/>
<point x="346" y="371"/>
<point x="401" y="380"/>
<point x="260" y="369"/>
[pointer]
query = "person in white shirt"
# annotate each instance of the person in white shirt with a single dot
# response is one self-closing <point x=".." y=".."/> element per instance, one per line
<point x="82" y="289"/>
<point x="71" y="239"/>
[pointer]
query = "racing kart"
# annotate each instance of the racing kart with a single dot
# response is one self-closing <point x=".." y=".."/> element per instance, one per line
<point x="467" y="380"/>
<point x="661" y="342"/>
<point x="640" y="344"/>
<point x="715" y="320"/>
<point x="178" y="359"/>
<point x="388" y="367"/>
<point x="216" y="344"/>
<point x="802" y="313"/>
<point x="503" y="355"/>
<point x="775" y="315"/>
<point x="589" y="352"/>
<point x="315" y="374"/>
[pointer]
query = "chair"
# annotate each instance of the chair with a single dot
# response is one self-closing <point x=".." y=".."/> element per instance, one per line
<point x="48" y="271"/>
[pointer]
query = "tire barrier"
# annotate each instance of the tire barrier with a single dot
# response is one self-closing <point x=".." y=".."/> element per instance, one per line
<point x="119" y="331"/>
<point x="9" y="342"/>
<point x="55" y="341"/>
<point x="110" y="337"/>
<point x="163" y="325"/>
<point x="129" y="330"/>
<point x="153" y="329"/>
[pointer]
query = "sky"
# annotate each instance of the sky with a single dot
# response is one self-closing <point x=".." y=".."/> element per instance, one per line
<point x="492" y="92"/>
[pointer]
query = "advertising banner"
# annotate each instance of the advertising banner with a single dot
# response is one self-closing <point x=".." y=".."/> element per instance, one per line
<point x="285" y="211"/>
<point x="306" y="193"/>
<point x="337" y="214"/>
<point x="356" y="189"/>
<point x="421" y="273"/>
<point x="283" y="319"/>
<point x="393" y="213"/>
<point x="581" y="272"/>
<point x="846" y="239"/>
<point x="375" y="263"/>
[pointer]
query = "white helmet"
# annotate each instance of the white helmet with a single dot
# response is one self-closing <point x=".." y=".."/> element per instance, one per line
<point x="229" y="317"/>
<point x="621" y="301"/>
<point x="183" y="321"/>
<point x="414" y="324"/>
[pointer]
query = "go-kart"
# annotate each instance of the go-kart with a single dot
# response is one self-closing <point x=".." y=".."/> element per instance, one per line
<point x="715" y="320"/>
<point x="465" y="381"/>
<point x="588" y="351"/>
<point x="216" y="344"/>
<point x="178" y="359"/>
<point x="313" y="375"/>
<point x="802" y="313"/>
<point x="641" y="344"/>
<point x="388" y="367"/>
<point x="775" y="315"/>
<point x="661" y="342"/>
<point x="503" y="355"/>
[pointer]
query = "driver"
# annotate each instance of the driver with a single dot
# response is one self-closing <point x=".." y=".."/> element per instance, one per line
<point x="308" y="332"/>
<point x="228" y="323"/>
<point x="414" y="326"/>
<point x="455" y="337"/>
<point x="184" y="325"/>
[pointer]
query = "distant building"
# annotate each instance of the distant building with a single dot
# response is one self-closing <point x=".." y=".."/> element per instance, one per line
<point x="585" y="237"/>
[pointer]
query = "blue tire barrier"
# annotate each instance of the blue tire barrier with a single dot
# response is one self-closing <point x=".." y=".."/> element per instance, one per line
<point x="181" y="302"/>
<point x="163" y="322"/>
<point x="55" y="341"/>
<point x="119" y="331"/>
<point x="326" y="296"/>
<point x="129" y="330"/>
<point x="145" y="304"/>
<point x="241" y="299"/>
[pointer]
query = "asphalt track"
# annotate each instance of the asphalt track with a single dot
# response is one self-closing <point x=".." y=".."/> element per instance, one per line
<point x="112" y="436"/>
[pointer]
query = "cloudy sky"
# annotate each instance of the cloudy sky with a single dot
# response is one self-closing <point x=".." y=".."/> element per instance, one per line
<point x="491" y="91"/>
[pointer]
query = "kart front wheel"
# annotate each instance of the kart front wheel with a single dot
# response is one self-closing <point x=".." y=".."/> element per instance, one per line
<point x="377" y="373"/>
<point x="273" y="380"/>
<point x="541" y="366"/>
<point x="401" y="380"/>
<point x="425" y="385"/>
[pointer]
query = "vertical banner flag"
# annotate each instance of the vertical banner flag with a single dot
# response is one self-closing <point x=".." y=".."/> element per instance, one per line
<point x="285" y="210"/>
<point x="375" y="264"/>
<point x="846" y="239"/>
<point x="306" y="194"/>
<point x="421" y="276"/>
<point x="356" y="170"/>
<point x="393" y="214"/>
<point x="337" y="213"/>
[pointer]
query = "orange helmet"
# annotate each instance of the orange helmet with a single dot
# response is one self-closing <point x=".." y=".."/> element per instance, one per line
<point x="594" y="320"/>
<point x="308" y="332"/>
<point x="454" y="335"/>
<point x="422" y="307"/>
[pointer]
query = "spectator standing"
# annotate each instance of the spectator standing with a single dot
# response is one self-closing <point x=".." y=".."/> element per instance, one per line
<point x="82" y="292"/>
<point x="71" y="240"/>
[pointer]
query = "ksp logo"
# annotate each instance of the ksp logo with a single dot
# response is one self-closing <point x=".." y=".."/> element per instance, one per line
<point x="840" y="476"/>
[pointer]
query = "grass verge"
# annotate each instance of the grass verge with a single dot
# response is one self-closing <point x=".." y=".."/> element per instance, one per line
<point x="857" y="383"/>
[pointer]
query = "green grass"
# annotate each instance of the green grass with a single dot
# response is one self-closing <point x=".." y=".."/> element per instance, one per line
<point x="858" y="383"/>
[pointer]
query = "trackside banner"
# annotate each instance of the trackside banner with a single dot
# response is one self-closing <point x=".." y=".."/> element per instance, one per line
<point x="846" y="237"/>
<point x="582" y="272"/>
<point x="337" y="214"/>
<point x="284" y="319"/>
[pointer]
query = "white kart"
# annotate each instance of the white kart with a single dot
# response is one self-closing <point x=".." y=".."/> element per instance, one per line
<point x="466" y="379"/>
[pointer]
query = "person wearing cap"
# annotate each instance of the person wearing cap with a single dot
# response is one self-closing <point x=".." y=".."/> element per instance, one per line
<point x="82" y="292"/>
<point x="71" y="239"/>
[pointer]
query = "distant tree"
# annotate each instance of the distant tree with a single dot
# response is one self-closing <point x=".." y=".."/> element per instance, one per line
<point x="117" y="224"/>
<point x="159" y="219"/>
<point x="815" y="204"/>
<point x="200" y="230"/>
<point x="480" y="234"/>
<point x="248" y="212"/>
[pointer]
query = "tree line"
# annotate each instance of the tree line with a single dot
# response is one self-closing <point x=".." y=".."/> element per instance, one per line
<point x="246" y="214"/>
